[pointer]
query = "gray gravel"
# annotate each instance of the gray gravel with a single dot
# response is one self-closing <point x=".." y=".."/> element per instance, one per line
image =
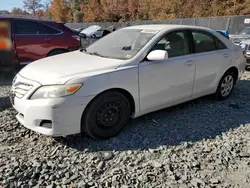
<point x="203" y="143"/>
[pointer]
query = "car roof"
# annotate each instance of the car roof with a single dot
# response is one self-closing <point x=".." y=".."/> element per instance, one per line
<point x="165" y="27"/>
<point x="25" y="18"/>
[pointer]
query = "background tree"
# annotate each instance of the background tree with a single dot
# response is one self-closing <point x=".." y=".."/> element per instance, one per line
<point x="47" y="12"/>
<point x="93" y="11"/>
<point x="60" y="10"/>
<point x="40" y="13"/>
<point x="32" y="5"/>
<point x="131" y="10"/>
<point x="18" y="11"/>
<point x="77" y="11"/>
<point x="4" y="12"/>
<point x="246" y="9"/>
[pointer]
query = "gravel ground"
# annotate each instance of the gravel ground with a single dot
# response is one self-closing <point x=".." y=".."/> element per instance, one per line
<point x="203" y="143"/>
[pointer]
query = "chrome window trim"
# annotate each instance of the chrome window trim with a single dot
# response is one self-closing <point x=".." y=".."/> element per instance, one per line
<point x="61" y="32"/>
<point x="24" y="63"/>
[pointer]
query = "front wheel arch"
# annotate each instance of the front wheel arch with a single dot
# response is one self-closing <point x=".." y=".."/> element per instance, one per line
<point x="61" y="50"/>
<point x="124" y="92"/>
<point x="89" y="126"/>
<point x="235" y="73"/>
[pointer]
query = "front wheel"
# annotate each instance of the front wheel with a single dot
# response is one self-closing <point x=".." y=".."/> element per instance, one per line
<point x="226" y="86"/>
<point x="106" y="115"/>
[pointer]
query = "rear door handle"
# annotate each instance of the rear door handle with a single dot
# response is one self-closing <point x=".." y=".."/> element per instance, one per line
<point x="189" y="63"/>
<point x="47" y="40"/>
<point x="225" y="55"/>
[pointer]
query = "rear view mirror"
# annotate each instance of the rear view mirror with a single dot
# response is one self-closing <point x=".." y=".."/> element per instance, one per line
<point x="157" y="55"/>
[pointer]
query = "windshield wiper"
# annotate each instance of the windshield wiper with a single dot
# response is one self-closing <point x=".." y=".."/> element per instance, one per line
<point x="83" y="49"/>
<point x="126" y="48"/>
<point x="96" y="53"/>
<point x="91" y="53"/>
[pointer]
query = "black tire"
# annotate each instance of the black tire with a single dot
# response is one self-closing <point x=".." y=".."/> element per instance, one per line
<point x="56" y="52"/>
<point x="219" y="92"/>
<point x="106" y="115"/>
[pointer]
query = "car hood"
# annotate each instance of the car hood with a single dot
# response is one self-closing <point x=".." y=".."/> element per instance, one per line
<point x="240" y="36"/>
<point x="61" y="68"/>
<point x="91" y="30"/>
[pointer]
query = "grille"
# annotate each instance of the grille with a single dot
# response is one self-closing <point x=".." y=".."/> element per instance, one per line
<point x="20" y="89"/>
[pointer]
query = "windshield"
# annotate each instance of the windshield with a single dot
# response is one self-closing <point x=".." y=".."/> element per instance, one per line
<point x="121" y="44"/>
<point x="245" y="31"/>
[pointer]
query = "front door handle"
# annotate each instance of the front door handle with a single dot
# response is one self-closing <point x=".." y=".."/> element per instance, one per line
<point x="47" y="40"/>
<point x="189" y="63"/>
<point x="225" y="55"/>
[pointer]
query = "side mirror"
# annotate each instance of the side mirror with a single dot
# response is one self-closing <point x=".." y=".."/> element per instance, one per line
<point x="157" y="55"/>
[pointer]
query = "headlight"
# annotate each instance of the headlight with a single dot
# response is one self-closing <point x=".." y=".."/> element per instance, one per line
<point x="55" y="91"/>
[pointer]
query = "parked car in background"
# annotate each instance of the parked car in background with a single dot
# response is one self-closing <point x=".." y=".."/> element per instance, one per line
<point x="223" y="33"/>
<point x="240" y="36"/>
<point x="80" y="29"/>
<point x="93" y="33"/>
<point x="90" y="31"/>
<point x="245" y="45"/>
<point x="35" y="39"/>
<point x="126" y="74"/>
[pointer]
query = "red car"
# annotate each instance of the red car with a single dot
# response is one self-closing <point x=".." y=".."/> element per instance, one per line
<point x="36" y="39"/>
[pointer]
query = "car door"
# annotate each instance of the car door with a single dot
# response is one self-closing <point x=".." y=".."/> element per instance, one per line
<point x="32" y="40"/>
<point x="161" y="82"/>
<point x="212" y="59"/>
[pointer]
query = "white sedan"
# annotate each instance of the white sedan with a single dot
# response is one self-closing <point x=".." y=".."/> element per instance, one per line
<point x="126" y="74"/>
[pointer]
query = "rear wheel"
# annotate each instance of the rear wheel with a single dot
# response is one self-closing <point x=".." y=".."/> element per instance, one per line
<point x="106" y="115"/>
<point x="226" y="85"/>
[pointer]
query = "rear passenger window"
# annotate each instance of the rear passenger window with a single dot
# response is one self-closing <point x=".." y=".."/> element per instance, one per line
<point x="220" y="45"/>
<point x="53" y="31"/>
<point x="203" y="42"/>
<point x="28" y="28"/>
<point x="32" y="28"/>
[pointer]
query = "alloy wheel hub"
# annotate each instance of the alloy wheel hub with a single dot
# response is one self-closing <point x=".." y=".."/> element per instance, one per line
<point x="227" y="85"/>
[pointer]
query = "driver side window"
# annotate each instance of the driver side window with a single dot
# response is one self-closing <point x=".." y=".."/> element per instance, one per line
<point x="175" y="43"/>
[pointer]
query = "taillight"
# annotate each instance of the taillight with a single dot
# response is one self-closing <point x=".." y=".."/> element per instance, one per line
<point x="76" y="37"/>
<point x="244" y="53"/>
<point x="5" y="44"/>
